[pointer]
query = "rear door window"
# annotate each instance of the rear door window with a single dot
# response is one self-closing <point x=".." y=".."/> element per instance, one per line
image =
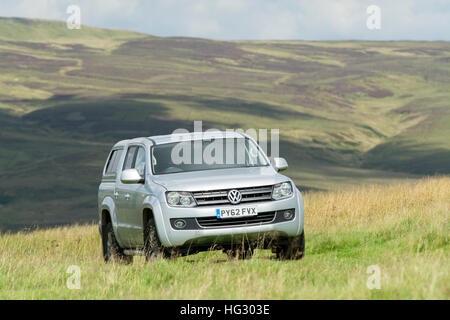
<point x="111" y="168"/>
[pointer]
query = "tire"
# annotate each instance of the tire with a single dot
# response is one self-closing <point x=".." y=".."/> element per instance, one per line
<point x="152" y="245"/>
<point x="111" y="249"/>
<point x="294" y="249"/>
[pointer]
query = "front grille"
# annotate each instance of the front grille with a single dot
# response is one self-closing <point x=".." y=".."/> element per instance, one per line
<point x="213" y="222"/>
<point x="252" y="194"/>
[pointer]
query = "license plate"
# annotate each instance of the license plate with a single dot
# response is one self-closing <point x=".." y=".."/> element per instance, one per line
<point x="236" y="212"/>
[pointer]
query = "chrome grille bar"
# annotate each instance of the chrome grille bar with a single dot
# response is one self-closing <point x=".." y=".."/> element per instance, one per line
<point x="252" y="194"/>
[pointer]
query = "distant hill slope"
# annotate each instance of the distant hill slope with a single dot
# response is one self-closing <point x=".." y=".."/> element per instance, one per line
<point x="36" y="30"/>
<point x="348" y="112"/>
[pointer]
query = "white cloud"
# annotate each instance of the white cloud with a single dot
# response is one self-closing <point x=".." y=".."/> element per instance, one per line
<point x="46" y="9"/>
<point x="252" y="19"/>
<point x="282" y="26"/>
<point x="232" y="5"/>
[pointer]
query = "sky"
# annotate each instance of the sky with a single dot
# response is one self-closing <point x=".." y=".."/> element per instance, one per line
<point x="253" y="19"/>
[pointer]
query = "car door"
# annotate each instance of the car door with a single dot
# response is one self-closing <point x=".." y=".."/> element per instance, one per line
<point x="125" y="200"/>
<point x="140" y="192"/>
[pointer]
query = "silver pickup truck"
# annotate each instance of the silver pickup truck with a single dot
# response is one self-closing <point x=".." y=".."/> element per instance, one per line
<point x="179" y="194"/>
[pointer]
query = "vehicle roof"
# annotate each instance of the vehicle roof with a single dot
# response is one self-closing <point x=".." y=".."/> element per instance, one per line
<point x="177" y="137"/>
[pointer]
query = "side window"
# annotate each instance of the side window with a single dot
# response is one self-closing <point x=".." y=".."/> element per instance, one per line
<point x="111" y="168"/>
<point x="129" y="159"/>
<point x="140" y="161"/>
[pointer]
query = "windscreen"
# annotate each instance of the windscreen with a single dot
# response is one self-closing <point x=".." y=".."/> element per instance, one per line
<point x="199" y="155"/>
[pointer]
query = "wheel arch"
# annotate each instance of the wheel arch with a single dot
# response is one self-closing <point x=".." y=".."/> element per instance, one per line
<point x="153" y="207"/>
<point x="109" y="206"/>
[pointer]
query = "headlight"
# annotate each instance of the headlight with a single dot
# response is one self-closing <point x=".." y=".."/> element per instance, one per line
<point x="180" y="199"/>
<point x="282" y="191"/>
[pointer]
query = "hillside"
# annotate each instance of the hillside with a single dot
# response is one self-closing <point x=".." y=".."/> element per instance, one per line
<point x="401" y="229"/>
<point x="348" y="112"/>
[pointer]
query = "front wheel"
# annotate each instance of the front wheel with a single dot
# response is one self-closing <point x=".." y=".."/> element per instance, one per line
<point x="111" y="249"/>
<point x="152" y="246"/>
<point x="294" y="249"/>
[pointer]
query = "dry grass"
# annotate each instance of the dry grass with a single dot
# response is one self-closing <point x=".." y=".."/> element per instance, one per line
<point x="359" y="207"/>
<point x="401" y="228"/>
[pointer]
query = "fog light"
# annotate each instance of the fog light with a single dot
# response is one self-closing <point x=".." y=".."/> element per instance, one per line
<point x="288" y="214"/>
<point x="180" y="224"/>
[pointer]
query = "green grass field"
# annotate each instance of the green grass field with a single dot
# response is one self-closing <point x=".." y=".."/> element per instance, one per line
<point x="403" y="229"/>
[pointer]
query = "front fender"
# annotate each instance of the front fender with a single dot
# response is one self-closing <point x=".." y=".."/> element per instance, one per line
<point x="109" y="205"/>
<point x="153" y="204"/>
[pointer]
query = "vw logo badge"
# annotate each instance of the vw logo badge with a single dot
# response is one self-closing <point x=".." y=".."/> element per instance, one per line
<point x="234" y="196"/>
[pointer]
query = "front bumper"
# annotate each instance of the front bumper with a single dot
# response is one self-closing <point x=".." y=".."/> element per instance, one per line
<point x="203" y="236"/>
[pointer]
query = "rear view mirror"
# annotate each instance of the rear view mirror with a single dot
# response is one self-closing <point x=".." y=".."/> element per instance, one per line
<point x="131" y="176"/>
<point x="280" y="164"/>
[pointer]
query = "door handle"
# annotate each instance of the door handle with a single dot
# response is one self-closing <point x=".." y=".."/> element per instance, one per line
<point x="127" y="196"/>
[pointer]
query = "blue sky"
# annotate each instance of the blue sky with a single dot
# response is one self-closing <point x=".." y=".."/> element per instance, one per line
<point x="252" y="19"/>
